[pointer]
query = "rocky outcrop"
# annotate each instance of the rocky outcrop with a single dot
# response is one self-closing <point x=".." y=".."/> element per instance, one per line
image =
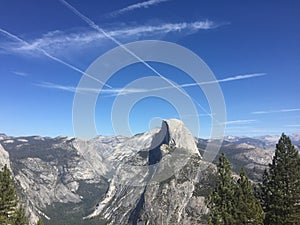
<point x="4" y="157"/>
<point x="157" y="177"/>
<point x="47" y="171"/>
<point x="161" y="184"/>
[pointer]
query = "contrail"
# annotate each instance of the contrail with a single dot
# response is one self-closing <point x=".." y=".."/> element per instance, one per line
<point x="228" y="79"/>
<point x="99" y="29"/>
<point x="237" y="77"/>
<point x="112" y="92"/>
<point x="10" y="35"/>
<point x="145" y="4"/>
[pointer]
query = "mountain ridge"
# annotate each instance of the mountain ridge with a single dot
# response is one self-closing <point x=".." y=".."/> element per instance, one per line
<point x="110" y="176"/>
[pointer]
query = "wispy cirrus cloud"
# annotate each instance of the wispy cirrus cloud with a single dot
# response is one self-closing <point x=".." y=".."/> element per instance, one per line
<point x="236" y="128"/>
<point x="94" y="26"/>
<point x="293" y="125"/>
<point x="233" y="78"/>
<point x="59" y="41"/>
<point x="60" y="87"/>
<point x="198" y="115"/>
<point x="239" y="122"/>
<point x="276" y="111"/>
<point x="19" y="73"/>
<point x="73" y="89"/>
<point x="228" y="79"/>
<point x="140" y="5"/>
<point x="121" y="91"/>
<point x="44" y="52"/>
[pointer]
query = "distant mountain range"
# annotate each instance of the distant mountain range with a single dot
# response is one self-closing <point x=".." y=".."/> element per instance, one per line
<point x="157" y="177"/>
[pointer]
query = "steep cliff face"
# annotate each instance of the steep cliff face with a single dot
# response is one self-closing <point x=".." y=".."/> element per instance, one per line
<point x="47" y="171"/>
<point x="58" y="176"/>
<point x="157" y="177"/>
<point x="4" y="157"/>
<point x="179" y="199"/>
<point x="160" y="185"/>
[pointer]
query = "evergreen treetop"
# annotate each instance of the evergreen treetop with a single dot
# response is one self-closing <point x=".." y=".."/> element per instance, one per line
<point x="249" y="210"/>
<point x="11" y="212"/>
<point x="280" y="189"/>
<point x="233" y="202"/>
<point x="8" y="196"/>
<point x="221" y="199"/>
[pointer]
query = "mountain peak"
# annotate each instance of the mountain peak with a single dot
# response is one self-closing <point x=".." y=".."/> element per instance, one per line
<point x="180" y="136"/>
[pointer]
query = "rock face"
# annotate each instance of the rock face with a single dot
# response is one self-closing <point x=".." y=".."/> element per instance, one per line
<point x="47" y="171"/>
<point x="4" y="157"/>
<point x="157" y="177"/>
<point x="159" y="185"/>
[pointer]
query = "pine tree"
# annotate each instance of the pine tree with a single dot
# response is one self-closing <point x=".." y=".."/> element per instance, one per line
<point x="221" y="201"/>
<point x="11" y="212"/>
<point x="280" y="189"/>
<point x="249" y="210"/>
<point x="20" y="217"/>
<point x="8" y="197"/>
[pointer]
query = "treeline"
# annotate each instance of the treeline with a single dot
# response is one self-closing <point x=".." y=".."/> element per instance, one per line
<point x="11" y="210"/>
<point x="274" y="201"/>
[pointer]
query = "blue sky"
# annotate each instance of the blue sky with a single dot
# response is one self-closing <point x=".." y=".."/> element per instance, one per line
<point x="252" y="48"/>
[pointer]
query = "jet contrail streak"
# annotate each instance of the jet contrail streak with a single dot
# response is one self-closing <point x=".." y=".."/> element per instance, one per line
<point x="99" y="29"/>
<point x="10" y="35"/>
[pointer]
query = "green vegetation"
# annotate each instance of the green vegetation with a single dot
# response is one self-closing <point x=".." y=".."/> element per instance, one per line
<point x="73" y="213"/>
<point x="21" y="218"/>
<point x="11" y="212"/>
<point x="248" y="208"/>
<point x="280" y="189"/>
<point x="233" y="202"/>
<point x="221" y="199"/>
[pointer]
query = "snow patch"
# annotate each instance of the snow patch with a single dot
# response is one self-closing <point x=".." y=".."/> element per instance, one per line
<point x="10" y="141"/>
<point x="245" y="146"/>
<point x="39" y="138"/>
<point x="22" y="140"/>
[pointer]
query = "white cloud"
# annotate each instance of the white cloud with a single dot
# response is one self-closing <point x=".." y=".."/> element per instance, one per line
<point x="47" y="54"/>
<point x="237" y="128"/>
<point x="73" y="89"/>
<point x="58" y="87"/>
<point x="239" y="122"/>
<point x="276" y="111"/>
<point x="44" y="45"/>
<point x="120" y="91"/>
<point x="93" y="25"/>
<point x="238" y="77"/>
<point x="140" y="5"/>
<point x="58" y="41"/>
<point x="228" y="79"/>
<point x="198" y="115"/>
<point x="21" y="74"/>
